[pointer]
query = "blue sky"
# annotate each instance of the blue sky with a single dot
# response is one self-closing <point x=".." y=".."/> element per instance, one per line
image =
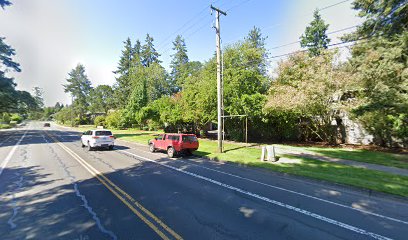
<point x="51" y="37"/>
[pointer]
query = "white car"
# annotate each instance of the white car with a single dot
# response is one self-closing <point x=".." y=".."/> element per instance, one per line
<point x="98" y="139"/>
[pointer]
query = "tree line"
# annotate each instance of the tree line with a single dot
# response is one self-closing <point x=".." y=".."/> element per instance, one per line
<point x="303" y="100"/>
<point x="15" y="105"/>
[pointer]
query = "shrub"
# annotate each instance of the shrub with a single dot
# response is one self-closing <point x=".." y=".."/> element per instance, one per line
<point x="99" y="121"/>
<point x="5" y="118"/>
<point x="114" y="120"/>
<point x="4" y="126"/>
<point x="16" y="118"/>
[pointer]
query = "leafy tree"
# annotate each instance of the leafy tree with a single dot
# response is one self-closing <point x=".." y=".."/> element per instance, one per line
<point x="179" y="63"/>
<point x="137" y="100"/>
<point x="8" y="93"/>
<point x="79" y="87"/>
<point x="315" y="38"/>
<point x="123" y="81"/>
<point x="101" y="99"/>
<point x="303" y="92"/>
<point x="149" y="55"/>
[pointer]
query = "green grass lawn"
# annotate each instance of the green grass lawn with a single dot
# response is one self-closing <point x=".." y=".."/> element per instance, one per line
<point x="331" y="172"/>
<point x="382" y="158"/>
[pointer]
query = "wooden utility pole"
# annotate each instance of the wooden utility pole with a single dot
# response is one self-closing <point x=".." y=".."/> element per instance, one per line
<point x="219" y="80"/>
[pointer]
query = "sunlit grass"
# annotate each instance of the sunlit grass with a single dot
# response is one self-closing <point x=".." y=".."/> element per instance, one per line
<point x="360" y="155"/>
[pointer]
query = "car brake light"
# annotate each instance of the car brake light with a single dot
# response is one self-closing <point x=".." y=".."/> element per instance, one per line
<point x="95" y="137"/>
<point x="112" y="136"/>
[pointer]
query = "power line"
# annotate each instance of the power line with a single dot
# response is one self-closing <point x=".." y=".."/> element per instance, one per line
<point x="189" y="24"/>
<point x="283" y="23"/>
<point x="298" y="41"/>
<point x="335" y="4"/>
<point x="330" y="45"/>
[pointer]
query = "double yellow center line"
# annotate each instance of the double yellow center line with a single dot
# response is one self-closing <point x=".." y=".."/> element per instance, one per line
<point x="164" y="231"/>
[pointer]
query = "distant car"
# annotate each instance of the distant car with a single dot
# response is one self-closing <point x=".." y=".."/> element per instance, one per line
<point x="98" y="139"/>
<point x="174" y="143"/>
<point x="47" y="125"/>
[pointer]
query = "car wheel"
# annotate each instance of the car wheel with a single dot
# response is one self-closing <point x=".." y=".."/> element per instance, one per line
<point x="171" y="152"/>
<point x="151" y="147"/>
<point x="82" y="144"/>
<point x="111" y="147"/>
<point x="89" y="147"/>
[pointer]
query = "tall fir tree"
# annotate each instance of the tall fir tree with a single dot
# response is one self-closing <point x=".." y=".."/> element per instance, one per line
<point x="256" y="41"/>
<point x="123" y="82"/>
<point x="179" y="64"/>
<point x="149" y="54"/>
<point x="315" y="37"/>
<point x="137" y="52"/>
<point x="79" y="87"/>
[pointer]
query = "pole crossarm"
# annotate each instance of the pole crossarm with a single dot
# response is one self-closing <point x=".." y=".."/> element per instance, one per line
<point x="218" y="10"/>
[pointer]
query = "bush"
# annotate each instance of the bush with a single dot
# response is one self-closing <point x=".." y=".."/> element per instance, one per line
<point x="5" y="118"/>
<point x="114" y="120"/>
<point x="16" y="118"/>
<point x="4" y="126"/>
<point x="99" y="121"/>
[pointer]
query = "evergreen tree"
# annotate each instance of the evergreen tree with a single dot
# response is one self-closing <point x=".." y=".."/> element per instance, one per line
<point x="79" y="87"/>
<point x="101" y="99"/>
<point x="255" y="38"/>
<point x="137" y="51"/>
<point x="149" y="54"/>
<point x="123" y="81"/>
<point x="179" y="64"/>
<point x="380" y="18"/>
<point x="315" y="38"/>
<point x="257" y="44"/>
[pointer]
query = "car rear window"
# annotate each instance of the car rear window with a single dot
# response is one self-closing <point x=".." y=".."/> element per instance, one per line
<point x="103" y="133"/>
<point x="173" y="137"/>
<point x="189" y="139"/>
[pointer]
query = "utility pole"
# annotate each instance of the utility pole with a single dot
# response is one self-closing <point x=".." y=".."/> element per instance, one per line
<point x="219" y="83"/>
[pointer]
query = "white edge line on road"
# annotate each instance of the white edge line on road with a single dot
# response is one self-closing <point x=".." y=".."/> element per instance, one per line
<point x="287" y="206"/>
<point x="300" y="194"/>
<point x="4" y="163"/>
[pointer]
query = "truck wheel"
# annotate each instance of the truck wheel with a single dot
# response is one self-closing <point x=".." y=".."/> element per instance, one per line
<point x="171" y="152"/>
<point x="151" y="147"/>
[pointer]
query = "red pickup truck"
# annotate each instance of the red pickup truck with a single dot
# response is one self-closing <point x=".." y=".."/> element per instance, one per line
<point x="174" y="143"/>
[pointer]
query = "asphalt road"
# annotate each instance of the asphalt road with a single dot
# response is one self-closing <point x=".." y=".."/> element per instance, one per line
<point x="51" y="188"/>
